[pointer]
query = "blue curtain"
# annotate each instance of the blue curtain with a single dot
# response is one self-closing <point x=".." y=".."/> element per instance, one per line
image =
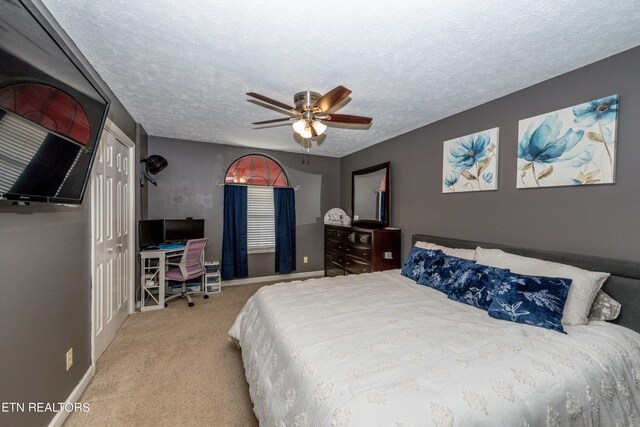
<point x="284" y="202"/>
<point x="234" y="241"/>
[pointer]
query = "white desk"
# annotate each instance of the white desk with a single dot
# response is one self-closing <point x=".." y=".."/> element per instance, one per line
<point x="152" y="279"/>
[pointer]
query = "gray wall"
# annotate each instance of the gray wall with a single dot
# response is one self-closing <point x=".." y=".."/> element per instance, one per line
<point x="45" y="266"/>
<point x="187" y="188"/>
<point x="597" y="220"/>
<point x="142" y="194"/>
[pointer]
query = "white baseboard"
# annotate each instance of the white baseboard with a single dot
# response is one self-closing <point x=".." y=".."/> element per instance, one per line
<point x="61" y="416"/>
<point x="282" y="277"/>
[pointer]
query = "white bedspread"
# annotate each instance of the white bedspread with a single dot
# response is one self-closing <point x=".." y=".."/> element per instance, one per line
<point x="379" y="350"/>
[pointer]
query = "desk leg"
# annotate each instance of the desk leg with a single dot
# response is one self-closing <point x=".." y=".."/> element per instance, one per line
<point x="161" y="282"/>
<point x="148" y="276"/>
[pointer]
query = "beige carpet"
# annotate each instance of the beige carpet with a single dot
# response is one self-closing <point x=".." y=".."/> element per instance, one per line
<point x="173" y="367"/>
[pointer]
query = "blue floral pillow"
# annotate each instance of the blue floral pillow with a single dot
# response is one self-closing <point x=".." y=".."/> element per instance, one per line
<point x="477" y="284"/>
<point x="440" y="273"/>
<point x="532" y="300"/>
<point x="418" y="260"/>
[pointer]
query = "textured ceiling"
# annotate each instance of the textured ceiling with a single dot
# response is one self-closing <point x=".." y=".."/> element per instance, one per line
<point x="182" y="68"/>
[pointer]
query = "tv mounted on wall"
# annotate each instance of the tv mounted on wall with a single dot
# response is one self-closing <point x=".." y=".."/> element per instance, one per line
<point x="51" y="112"/>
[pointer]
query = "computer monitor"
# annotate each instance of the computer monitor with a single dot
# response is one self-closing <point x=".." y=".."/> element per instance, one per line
<point x="178" y="230"/>
<point x="150" y="232"/>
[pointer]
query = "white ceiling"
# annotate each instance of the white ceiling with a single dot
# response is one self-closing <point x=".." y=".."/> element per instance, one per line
<point x="182" y="67"/>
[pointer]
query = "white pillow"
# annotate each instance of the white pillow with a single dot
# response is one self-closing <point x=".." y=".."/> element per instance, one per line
<point x="584" y="284"/>
<point x="457" y="252"/>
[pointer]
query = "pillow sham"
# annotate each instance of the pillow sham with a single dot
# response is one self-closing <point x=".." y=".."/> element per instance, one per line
<point x="532" y="300"/>
<point x="440" y="273"/>
<point x="478" y="284"/>
<point x="584" y="284"/>
<point x="417" y="260"/>
<point x="604" y="307"/>
<point x="457" y="252"/>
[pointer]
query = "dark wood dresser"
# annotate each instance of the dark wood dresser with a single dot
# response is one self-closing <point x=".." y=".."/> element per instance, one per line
<point x="353" y="250"/>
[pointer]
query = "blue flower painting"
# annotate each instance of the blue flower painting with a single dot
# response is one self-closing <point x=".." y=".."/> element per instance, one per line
<point x="470" y="163"/>
<point x="572" y="146"/>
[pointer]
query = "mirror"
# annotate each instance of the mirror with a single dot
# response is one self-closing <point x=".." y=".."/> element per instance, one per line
<point x="370" y="195"/>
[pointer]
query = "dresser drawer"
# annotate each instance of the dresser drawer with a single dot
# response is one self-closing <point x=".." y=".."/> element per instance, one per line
<point x="360" y="238"/>
<point x="335" y="233"/>
<point x="334" y="257"/>
<point x="334" y="246"/>
<point x="363" y="252"/>
<point x="356" y="266"/>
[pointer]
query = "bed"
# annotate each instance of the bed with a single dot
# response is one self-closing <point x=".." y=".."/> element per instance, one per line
<point x="379" y="349"/>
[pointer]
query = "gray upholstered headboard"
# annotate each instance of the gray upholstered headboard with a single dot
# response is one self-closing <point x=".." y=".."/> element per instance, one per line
<point x="623" y="284"/>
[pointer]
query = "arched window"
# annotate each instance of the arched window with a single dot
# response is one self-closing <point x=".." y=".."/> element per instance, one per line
<point x="260" y="173"/>
<point x="256" y="169"/>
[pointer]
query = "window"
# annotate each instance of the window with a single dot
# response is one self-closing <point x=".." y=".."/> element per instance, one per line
<point x="260" y="173"/>
<point x="256" y="169"/>
<point x="260" y="219"/>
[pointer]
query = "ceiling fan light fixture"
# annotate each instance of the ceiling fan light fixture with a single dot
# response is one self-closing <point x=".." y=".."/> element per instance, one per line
<point x="300" y="125"/>
<point x="319" y="127"/>
<point x="306" y="132"/>
<point x="310" y="111"/>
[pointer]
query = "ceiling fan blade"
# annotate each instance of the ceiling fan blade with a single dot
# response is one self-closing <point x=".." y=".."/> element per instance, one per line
<point x="272" y="107"/>
<point x="272" y="126"/>
<point x="346" y="118"/>
<point x="331" y="98"/>
<point x="271" y="101"/>
<point x="264" y="122"/>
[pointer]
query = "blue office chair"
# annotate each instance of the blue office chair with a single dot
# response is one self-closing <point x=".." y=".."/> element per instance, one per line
<point x="189" y="267"/>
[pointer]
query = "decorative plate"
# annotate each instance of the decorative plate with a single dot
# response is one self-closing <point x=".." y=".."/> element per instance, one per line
<point x="336" y="216"/>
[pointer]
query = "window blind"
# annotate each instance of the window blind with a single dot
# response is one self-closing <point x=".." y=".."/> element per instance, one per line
<point x="260" y="219"/>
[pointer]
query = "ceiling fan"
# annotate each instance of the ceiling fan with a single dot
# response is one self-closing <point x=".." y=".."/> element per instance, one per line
<point x="311" y="110"/>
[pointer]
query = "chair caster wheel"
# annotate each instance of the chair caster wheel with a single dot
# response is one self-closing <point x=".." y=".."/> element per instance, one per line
<point x="206" y="296"/>
<point x="191" y="304"/>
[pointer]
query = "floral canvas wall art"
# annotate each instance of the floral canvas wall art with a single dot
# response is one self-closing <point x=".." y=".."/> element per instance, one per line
<point x="470" y="163"/>
<point x="572" y="146"/>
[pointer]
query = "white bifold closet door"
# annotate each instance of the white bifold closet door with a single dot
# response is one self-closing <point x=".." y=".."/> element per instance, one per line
<point x="111" y="228"/>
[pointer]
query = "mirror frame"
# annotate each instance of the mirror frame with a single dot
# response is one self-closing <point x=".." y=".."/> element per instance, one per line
<point x="371" y="223"/>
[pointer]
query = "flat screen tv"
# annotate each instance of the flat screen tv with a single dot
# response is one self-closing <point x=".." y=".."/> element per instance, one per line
<point x="51" y="111"/>
<point x="180" y="230"/>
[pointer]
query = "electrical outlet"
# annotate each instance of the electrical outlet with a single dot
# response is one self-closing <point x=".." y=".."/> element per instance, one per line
<point x="69" y="358"/>
<point x="305" y="259"/>
<point x="388" y="255"/>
